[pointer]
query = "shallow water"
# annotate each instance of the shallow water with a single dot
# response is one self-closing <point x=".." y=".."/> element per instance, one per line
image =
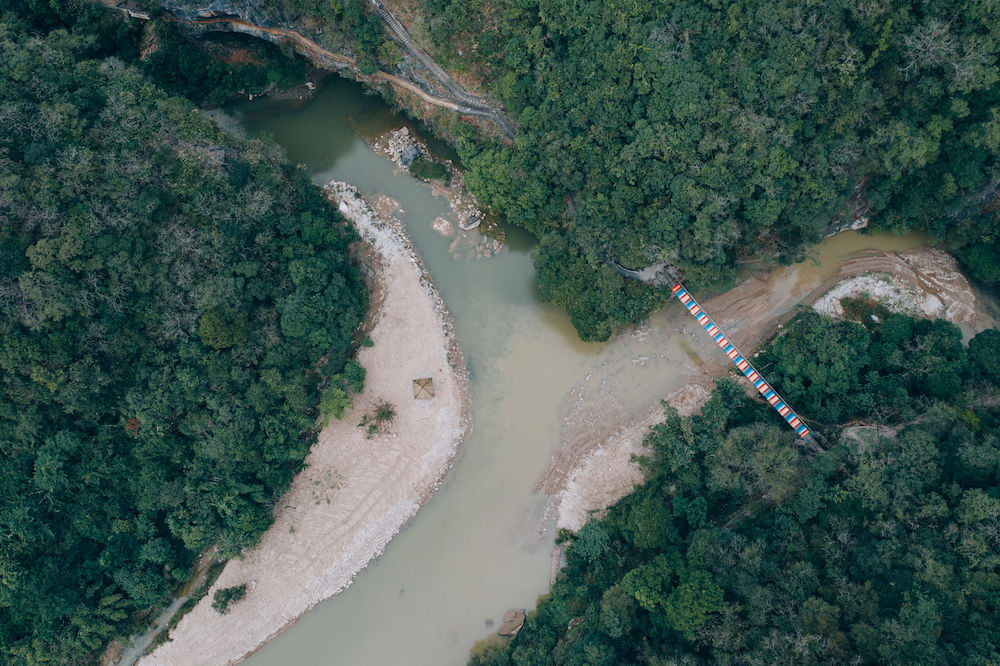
<point x="483" y="543"/>
<point x="480" y="545"/>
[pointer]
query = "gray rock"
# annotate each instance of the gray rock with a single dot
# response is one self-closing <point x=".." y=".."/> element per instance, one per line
<point x="513" y="620"/>
<point x="409" y="154"/>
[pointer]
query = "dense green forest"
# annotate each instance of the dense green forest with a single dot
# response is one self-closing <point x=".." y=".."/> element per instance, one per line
<point x="173" y="301"/>
<point x="746" y="547"/>
<point x="217" y="68"/>
<point x="726" y="135"/>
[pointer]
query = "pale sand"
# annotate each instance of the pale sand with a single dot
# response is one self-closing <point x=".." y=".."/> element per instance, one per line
<point x="356" y="493"/>
<point x="924" y="282"/>
<point x="594" y="467"/>
<point x="609" y="472"/>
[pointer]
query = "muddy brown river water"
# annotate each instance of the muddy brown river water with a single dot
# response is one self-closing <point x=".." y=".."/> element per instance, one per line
<point x="483" y="543"/>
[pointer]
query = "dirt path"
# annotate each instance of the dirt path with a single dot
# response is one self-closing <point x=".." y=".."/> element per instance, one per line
<point x="454" y="89"/>
<point x="138" y="645"/>
<point x="357" y="492"/>
<point x="592" y="468"/>
<point x="321" y="57"/>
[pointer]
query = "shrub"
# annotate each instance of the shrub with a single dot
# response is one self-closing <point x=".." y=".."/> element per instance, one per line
<point x="383" y="413"/>
<point x="426" y="169"/>
<point x="227" y="596"/>
<point x="333" y="403"/>
<point x="354" y="376"/>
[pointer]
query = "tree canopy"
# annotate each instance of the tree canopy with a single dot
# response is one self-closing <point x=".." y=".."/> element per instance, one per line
<point x="720" y="136"/>
<point x="173" y="301"/>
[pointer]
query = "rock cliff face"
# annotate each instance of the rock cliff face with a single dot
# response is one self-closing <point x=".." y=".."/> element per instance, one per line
<point x="245" y="10"/>
<point x="416" y="72"/>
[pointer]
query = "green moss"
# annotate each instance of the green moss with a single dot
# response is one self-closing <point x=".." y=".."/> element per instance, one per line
<point x="426" y="169"/>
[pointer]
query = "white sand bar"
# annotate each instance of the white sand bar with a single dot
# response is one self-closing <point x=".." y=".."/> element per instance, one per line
<point x="356" y="492"/>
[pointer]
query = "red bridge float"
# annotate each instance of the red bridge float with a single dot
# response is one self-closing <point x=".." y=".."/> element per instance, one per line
<point x="741" y="363"/>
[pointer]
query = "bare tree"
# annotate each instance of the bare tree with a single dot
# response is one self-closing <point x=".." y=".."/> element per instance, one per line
<point x="930" y="45"/>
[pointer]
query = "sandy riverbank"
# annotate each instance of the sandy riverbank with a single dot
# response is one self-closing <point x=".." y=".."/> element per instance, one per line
<point x="356" y="493"/>
<point x="607" y="473"/>
<point x="593" y="467"/>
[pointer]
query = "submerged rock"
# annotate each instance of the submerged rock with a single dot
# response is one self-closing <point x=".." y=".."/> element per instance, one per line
<point x="442" y="226"/>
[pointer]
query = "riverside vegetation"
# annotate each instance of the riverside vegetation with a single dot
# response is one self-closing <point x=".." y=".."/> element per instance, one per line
<point x="720" y="138"/>
<point x="173" y="301"/>
<point x="176" y="300"/>
<point x="744" y="547"/>
<point x="726" y="135"/>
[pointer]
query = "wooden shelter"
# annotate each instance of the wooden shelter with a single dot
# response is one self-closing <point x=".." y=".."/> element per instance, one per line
<point x="423" y="389"/>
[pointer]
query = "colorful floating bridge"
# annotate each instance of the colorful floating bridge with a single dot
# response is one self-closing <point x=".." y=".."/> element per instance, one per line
<point x="741" y="363"/>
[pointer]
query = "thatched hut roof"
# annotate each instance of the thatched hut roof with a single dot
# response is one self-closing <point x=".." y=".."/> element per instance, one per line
<point x="423" y="389"/>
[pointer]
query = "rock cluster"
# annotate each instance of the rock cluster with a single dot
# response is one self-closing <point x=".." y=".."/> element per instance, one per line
<point x="401" y="147"/>
<point x="442" y="226"/>
<point x="468" y="246"/>
<point x="409" y="154"/>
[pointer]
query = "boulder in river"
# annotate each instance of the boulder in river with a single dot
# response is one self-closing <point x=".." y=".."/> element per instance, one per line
<point x="513" y="620"/>
<point x="409" y="154"/>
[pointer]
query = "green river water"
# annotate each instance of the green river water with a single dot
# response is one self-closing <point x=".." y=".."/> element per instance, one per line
<point x="483" y="543"/>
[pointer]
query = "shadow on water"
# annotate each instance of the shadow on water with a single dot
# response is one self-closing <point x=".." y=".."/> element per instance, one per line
<point x="519" y="240"/>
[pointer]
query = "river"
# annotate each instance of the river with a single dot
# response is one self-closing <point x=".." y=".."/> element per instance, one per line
<point x="483" y="543"/>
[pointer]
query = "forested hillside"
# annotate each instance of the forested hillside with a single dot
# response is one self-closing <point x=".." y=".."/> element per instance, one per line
<point x="173" y="299"/>
<point x="350" y="27"/>
<point x="745" y="547"/>
<point x="726" y="135"/>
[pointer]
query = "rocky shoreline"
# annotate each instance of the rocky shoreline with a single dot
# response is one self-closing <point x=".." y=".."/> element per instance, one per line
<point x="473" y="236"/>
<point x="403" y="148"/>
